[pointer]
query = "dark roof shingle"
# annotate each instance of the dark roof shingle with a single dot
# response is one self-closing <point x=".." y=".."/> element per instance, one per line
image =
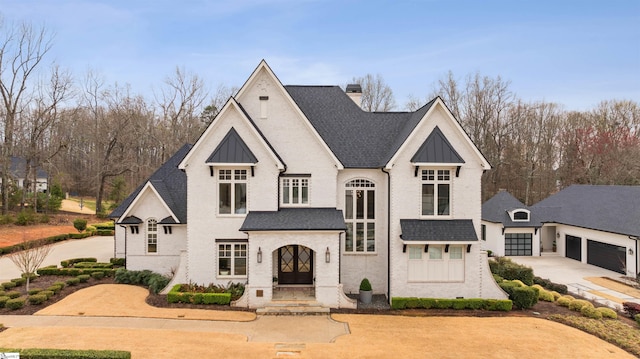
<point x="453" y="230"/>
<point x="295" y="219"/>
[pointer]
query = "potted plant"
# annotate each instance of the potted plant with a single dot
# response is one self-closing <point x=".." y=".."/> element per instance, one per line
<point x="365" y="291"/>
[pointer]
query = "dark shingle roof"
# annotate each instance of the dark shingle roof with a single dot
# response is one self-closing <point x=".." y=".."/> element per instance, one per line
<point x="496" y="210"/>
<point x="614" y="209"/>
<point x="359" y="139"/>
<point x="131" y="220"/>
<point x="295" y="219"/>
<point x="436" y="149"/>
<point x="18" y="168"/>
<point x="232" y="149"/>
<point x="171" y="184"/>
<point x="454" y="230"/>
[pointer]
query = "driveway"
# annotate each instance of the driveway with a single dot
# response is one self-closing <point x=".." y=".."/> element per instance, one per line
<point x="582" y="279"/>
<point x="116" y="317"/>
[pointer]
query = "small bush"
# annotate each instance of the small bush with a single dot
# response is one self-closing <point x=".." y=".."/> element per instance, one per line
<point x="80" y="224"/>
<point x="590" y="312"/>
<point x="3" y="300"/>
<point x="34" y="291"/>
<point x="519" y="282"/>
<point x="9" y="285"/>
<point x="61" y="284"/>
<point x="438" y="303"/>
<point x="97" y="275"/>
<point x="19" y="281"/>
<point x="607" y="312"/>
<point x="631" y="308"/>
<point x="556" y="295"/>
<point x="154" y="281"/>
<point x="15" y="303"/>
<point x="55" y="288"/>
<point x="13" y="294"/>
<point x="48" y="293"/>
<point x="524" y="297"/>
<point x="92" y="265"/>
<point x="6" y="219"/>
<point x="31" y="276"/>
<point x="83" y="278"/>
<point x="37" y="299"/>
<point x="365" y="285"/>
<point x="510" y="270"/>
<point x="565" y="300"/>
<point x="26" y="217"/>
<point x="119" y="262"/>
<point x="637" y="318"/>
<point x="73" y="281"/>
<point x="578" y="304"/>
<point x="498" y="278"/>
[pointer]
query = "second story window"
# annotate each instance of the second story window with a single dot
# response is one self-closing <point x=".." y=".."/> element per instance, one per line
<point x="436" y="192"/>
<point x="152" y="236"/>
<point x="295" y="191"/>
<point x="232" y="191"/>
<point x="359" y="215"/>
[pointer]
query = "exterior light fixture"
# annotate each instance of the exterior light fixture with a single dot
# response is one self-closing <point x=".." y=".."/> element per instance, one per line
<point x="327" y="256"/>
<point x="259" y="255"/>
<point x="630" y="251"/>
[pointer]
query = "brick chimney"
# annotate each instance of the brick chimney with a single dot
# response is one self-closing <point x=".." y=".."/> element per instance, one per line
<point x="354" y="91"/>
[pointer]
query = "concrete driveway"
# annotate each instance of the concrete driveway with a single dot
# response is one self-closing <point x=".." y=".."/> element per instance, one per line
<point x="99" y="247"/>
<point x="580" y="278"/>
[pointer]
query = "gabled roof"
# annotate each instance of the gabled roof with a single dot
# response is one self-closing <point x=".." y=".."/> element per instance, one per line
<point x="453" y="230"/>
<point x="169" y="182"/>
<point x="436" y="149"/>
<point x="18" y="168"/>
<point x="497" y="208"/>
<point x="614" y="209"/>
<point x="232" y="149"/>
<point x="295" y="219"/>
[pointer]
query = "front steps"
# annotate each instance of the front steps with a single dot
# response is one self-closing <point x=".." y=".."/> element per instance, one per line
<point x="286" y="307"/>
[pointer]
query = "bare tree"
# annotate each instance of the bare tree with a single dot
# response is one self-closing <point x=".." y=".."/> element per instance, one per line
<point x="376" y="94"/>
<point x="22" y="49"/>
<point x="29" y="259"/>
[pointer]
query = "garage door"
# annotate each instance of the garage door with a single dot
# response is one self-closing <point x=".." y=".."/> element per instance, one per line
<point x="607" y="256"/>
<point x="517" y="244"/>
<point x="573" y="247"/>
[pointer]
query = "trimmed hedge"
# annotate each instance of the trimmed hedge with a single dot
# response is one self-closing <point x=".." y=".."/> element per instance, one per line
<point x="34" y="291"/>
<point x="70" y="354"/>
<point x="73" y="281"/>
<point x="637" y="318"/>
<point x="551" y="286"/>
<point x="105" y="232"/>
<point x="118" y="262"/>
<point x="80" y="235"/>
<point x="13" y="294"/>
<point x="37" y="299"/>
<point x="69" y="262"/>
<point x="93" y="265"/>
<point x="9" y="285"/>
<point x="83" y="278"/>
<point x="3" y="300"/>
<point x="20" y="246"/>
<point x="97" y="275"/>
<point x="607" y="312"/>
<point x="74" y="271"/>
<point x="15" y="303"/>
<point x="438" y="303"/>
<point x="175" y="296"/>
<point x="19" y="281"/>
<point x="154" y="281"/>
<point x="510" y="270"/>
<point x="523" y="297"/>
<point x="578" y="304"/>
<point x="48" y="293"/>
<point x="590" y="312"/>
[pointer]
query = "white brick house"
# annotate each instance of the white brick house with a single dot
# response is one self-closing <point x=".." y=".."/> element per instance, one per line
<point x="298" y="186"/>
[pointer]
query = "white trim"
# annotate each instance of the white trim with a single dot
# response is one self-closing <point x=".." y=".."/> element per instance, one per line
<point x="513" y="212"/>
<point x="150" y="186"/>
<point x="438" y="102"/>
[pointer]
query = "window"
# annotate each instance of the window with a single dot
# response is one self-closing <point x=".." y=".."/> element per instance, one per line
<point x="295" y="191"/>
<point x="359" y="212"/>
<point x="518" y="244"/>
<point x="436" y="192"/>
<point x="232" y="194"/>
<point x="439" y="264"/>
<point x="483" y="228"/>
<point x="520" y="216"/>
<point x="455" y="252"/>
<point x="152" y="236"/>
<point x="232" y="259"/>
<point x="415" y="252"/>
<point x="435" y="252"/>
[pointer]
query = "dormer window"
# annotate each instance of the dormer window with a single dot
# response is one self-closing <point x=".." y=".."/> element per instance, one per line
<point x="519" y="215"/>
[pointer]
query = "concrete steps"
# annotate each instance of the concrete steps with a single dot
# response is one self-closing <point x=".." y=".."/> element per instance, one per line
<point x="293" y="308"/>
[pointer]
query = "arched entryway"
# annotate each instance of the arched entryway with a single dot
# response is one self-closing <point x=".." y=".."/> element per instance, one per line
<point x="295" y="265"/>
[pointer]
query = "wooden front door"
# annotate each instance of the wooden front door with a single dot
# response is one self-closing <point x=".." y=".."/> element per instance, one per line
<point x="295" y="265"/>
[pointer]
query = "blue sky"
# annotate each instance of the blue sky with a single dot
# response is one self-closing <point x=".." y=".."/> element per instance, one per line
<point x="576" y="53"/>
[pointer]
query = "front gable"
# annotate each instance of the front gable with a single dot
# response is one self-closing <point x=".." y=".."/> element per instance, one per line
<point x="232" y="149"/>
<point x="436" y="149"/>
<point x="148" y="203"/>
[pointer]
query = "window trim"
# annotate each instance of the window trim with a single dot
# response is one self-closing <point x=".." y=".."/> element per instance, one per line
<point x="301" y="180"/>
<point x="232" y="181"/>
<point x="513" y="212"/>
<point x="365" y="185"/>
<point x="436" y="182"/>
<point x="148" y="233"/>
<point x="232" y="258"/>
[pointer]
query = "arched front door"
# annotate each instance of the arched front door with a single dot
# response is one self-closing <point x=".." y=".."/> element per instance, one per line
<point x="295" y="265"/>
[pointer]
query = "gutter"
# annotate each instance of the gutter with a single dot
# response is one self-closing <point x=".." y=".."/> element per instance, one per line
<point x="388" y="233"/>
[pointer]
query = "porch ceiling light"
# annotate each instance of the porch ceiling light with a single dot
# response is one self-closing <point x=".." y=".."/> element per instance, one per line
<point x="327" y="256"/>
<point x="259" y="255"/>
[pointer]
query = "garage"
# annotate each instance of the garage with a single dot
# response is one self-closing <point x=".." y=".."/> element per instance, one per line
<point x="573" y="247"/>
<point x="517" y="244"/>
<point x="607" y="256"/>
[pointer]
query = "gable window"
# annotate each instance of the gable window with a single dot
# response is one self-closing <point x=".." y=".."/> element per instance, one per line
<point x="436" y="192"/>
<point x="359" y="211"/>
<point x="520" y="216"/>
<point x="295" y="191"/>
<point x="152" y="236"/>
<point x="232" y="259"/>
<point x="232" y="191"/>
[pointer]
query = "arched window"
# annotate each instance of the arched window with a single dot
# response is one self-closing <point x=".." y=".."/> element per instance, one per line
<point x="359" y="213"/>
<point x="152" y="235"/>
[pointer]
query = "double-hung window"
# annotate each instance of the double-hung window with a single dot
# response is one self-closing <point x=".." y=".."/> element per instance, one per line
<point x="360" y="211"/>
<point x="436" y="192"/>
<point x="295" y="191"/>
<point x="232" y="191"/>
<point x="152" y="236"/>
<point x="232" y="259"/>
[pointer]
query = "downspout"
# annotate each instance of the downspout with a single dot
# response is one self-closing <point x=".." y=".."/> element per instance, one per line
<point x="388" y="233"/>
<point x="125" y="245"/>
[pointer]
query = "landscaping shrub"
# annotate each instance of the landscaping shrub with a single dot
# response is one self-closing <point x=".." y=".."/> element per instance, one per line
<point x="438" y="303"/>
<point x="13" y="294"/>
<point x="80" y="235"/>
<point x="19" y="281"/>
<point x="31" y="276"/>
<point x="590" y="312"/>
<point x="637" y="318"/>
<point x="607" y="312"/>
<point x="48" y="293"/>
<point x="578" y="304"/>
<point x="565" y="300"/>
<point x="119" y="262"/>
<point x="73" y="281"/>
<point x="544" y="294"/>
<point x="26" y="217"/>
<point x="2" y="293"/>
<point x="15" y="303"/>
<point x="497" y="278"/>
<point x="60" y="283"/>
<point x="556" y="295"/>
<point x="632" y="309"/>
<point x="105" y="232"/>
<point x="67" y="354"/>
<point x="9" y="285"/>
<point x="33" y="291"/>
<point x="97" y="275"/>
<point x="3" y="300"/>
<point x="510" y="270"/>
<point x="83" y="278"/>
<point x="80" y="224"/>
<point x="524" y="297"/>
<point x="55" y="288"/>
<point x="92" y="265"/>
<point x="37" y="299"/>
<point x="70" y="262"/>
<point x="154" y="281"/>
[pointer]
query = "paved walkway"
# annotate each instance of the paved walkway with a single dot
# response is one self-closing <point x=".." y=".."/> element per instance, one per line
<point x="581" y="279"/>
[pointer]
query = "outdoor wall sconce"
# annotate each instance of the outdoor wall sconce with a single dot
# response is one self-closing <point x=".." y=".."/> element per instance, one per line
<point x="630" y="251"/>
<point x="259" y="255"/>
<point x="327" y="256"/>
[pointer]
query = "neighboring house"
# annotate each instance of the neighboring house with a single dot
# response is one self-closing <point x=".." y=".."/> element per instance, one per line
<point x="598" y="225"/>
<point x="298" y="186"/>
<point x="18" y="171"/>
